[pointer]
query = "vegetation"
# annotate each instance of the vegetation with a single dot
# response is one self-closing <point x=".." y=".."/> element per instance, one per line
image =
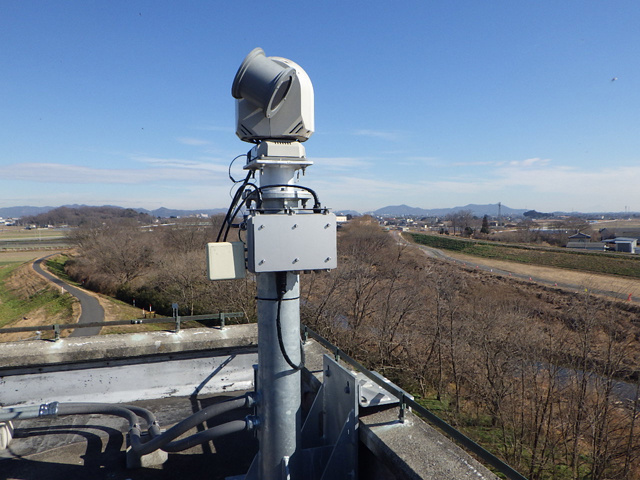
<point x="83" y="216"/>
<point x="605" y="263"/>
<point x="56" y="267"/>
<point x="19" y="302"/>
<point x="535" y="215"/>
<point x="528" y="372"/>
<point x="485" y="225"/>
<point x="531" y="373"/>
<point x="156" y="267"/>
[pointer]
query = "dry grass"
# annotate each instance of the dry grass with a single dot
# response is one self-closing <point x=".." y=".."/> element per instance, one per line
<point x="25" y="283"/>
<point x="20" y="256"/>
<point x="19" y="233"/>
<point x="611" y="283"/>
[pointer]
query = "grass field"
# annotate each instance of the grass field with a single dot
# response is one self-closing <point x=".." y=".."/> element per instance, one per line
<point x="20" y="233"/>
<point x="14" y="306"/>
<point x="15" y="239"/>
<point x="21" y="256"/>
<point x="602" y="263"/>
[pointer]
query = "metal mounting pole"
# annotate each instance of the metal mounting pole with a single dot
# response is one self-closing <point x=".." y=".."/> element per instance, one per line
<point x="279" y="384"/>
<point x="275" y="111"/>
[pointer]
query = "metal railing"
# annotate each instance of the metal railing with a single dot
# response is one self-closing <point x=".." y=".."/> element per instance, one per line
<point x="176" y="320"/>
<point x="407" y="401"/>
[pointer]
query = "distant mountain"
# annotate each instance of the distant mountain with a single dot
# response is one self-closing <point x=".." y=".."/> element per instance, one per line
<point x="477" y="210"/>
<point x="17" y="212"/>
<point x="27" y="211"/>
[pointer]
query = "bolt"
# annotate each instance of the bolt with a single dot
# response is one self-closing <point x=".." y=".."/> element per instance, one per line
<point x="260" y="227"/>
<point x="252" y="421"/>
<point x="296" y="260"/>
<point x="295" y="225"/>
<point x="327" y="225"/>
<point x="328" y="259"/>
<point x="261" y="262"/>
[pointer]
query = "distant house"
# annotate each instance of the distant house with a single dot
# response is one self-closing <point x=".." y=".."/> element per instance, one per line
<point x="626" y="232"/>
<point x="582" y="241"/>
<point x="623" y="244"/>
<point x="580" y="245"/>
<point x="580" y="237"/>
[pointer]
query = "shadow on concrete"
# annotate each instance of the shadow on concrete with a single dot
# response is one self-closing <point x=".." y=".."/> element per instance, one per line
<point x="60" y="449"/>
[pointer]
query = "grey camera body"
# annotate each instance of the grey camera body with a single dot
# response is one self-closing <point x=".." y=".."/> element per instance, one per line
<point x="274" y="100"/>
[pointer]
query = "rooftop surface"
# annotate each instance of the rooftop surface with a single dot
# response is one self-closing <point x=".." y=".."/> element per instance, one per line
<point x="205" y="366"/>
<point x="93" y="447"/>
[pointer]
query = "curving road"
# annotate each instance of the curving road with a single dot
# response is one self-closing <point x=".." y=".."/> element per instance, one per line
<point x="91" y="310"/>
<point x="439" y="254"/>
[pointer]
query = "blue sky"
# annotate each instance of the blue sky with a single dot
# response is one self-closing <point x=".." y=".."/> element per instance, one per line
<point x="430" y="104"/>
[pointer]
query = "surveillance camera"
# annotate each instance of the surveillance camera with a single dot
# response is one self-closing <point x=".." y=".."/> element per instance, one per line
<point x="274" y="99"/>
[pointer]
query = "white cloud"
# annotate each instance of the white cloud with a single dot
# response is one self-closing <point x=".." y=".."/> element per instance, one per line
<point x="182" y="164"/>
<point x="473" y="164"/>
<point x="382" y="134"/>
<point x="195" y="142"/>
<point x="530" y="162"/>
<point x="531" y="183"/>
<point x="167" y="171"/>
<point x="563" y="180"/>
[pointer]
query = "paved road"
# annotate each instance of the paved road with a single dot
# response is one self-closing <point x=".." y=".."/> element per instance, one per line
<point x="92" y="311"/>
<point x="439" y="254"/>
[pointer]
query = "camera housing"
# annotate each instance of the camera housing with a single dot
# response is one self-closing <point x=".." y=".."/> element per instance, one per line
<point x="274" y="99"/>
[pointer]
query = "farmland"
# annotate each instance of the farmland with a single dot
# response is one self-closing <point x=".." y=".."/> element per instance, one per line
<point x="601" y="263"/>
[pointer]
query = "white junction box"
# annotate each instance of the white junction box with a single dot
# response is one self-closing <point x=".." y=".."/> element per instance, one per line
<point x="225" y="260"/>
<point x="297" y="242"/>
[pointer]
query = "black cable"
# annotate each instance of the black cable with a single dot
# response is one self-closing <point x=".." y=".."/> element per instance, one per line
<point x="234" y="200"/>
<point x="316" y="200"/>
<point x="206" y="435"/>
<point x="231" y="164"/>
<point x="238" y="208"/>
<point x="188" y="423"/>
<point x="235" y="207"/>
<point x="74" y="408"/>
<point x="281" y="286"/>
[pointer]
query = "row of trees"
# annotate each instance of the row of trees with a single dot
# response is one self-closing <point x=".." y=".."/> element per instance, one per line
<point x="541" y="371"/>
<point x="156" y="266"/>
<point x="75" y="216"/>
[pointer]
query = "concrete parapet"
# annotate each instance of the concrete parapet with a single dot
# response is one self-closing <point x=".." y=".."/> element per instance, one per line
<point x="414" y="450"/>
<point x="127" y="345"/>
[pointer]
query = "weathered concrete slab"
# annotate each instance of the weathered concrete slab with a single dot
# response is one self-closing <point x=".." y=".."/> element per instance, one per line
<point x="90" y="370"/>
<point x="92" y="447"/>
<point x="129" y="383"/>
<point x="414" y="450"/>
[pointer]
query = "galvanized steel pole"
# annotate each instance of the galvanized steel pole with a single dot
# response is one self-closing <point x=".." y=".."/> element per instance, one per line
<point x="278" y="383"/>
